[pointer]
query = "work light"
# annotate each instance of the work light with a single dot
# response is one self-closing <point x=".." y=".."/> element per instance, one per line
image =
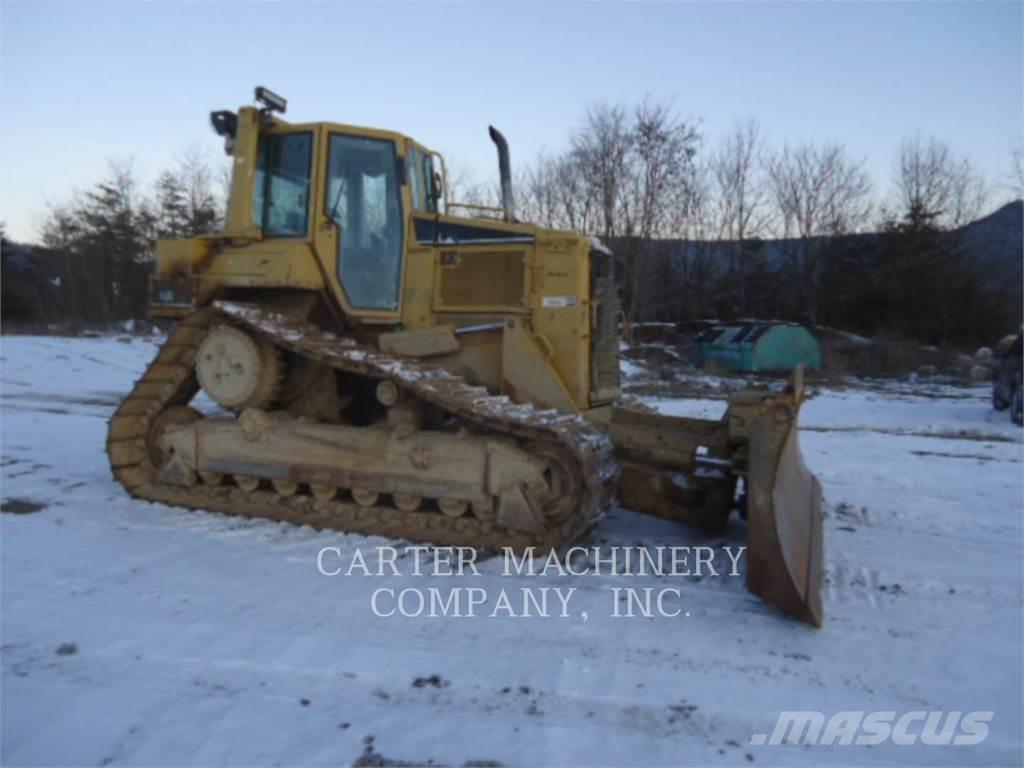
<point x="270" y="100"/>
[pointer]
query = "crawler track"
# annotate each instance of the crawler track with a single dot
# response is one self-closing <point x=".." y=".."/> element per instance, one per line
<point x="170" y="380"/>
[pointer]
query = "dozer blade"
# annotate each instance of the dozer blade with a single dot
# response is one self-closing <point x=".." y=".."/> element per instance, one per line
<point x="686" y="469"/>
<point x="784" y="534"/>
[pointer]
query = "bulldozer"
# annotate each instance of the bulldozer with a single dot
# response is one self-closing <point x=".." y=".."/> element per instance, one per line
<point x="377" y="358"/>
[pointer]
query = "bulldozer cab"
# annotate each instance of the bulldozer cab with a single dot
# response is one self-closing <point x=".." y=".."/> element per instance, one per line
<point x="338" y="191"/>
<point x="342" y="210"/>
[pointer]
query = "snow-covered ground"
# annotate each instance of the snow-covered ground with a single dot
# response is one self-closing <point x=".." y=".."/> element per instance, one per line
<point x="140" y="634"/>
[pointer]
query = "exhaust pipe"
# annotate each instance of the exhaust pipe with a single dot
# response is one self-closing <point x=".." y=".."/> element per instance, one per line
<point x="505" y="170"/>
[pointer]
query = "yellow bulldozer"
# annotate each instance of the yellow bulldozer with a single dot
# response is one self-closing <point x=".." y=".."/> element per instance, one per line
<point x="383" y="366"/>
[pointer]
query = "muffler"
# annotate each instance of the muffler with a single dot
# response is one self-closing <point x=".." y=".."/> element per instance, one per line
<point x="505" y="170"/>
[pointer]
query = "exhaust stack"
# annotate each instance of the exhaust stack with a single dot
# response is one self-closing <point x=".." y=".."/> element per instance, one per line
<point x="505" y="170"/>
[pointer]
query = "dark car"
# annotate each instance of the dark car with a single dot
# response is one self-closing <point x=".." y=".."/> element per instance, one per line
<point x="1006" y="380"/>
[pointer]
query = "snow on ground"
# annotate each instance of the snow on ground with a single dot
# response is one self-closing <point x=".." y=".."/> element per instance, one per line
<point x="140" y="634"/>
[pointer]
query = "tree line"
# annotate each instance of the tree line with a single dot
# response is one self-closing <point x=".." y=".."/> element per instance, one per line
<point x="98" y="246"/>
<point x="738" y="229"/>
<point x="732" y="228"/>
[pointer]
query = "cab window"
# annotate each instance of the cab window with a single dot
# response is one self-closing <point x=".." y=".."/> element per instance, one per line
<point x="421" y="179"/>
<point x="416" y="187"/>
<point x="280" y="200"/>
<point x="429" y="189"/>
<point x="364" y="202"/>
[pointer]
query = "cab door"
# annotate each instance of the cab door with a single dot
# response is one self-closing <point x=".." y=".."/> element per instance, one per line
<point x="364" y="202"/>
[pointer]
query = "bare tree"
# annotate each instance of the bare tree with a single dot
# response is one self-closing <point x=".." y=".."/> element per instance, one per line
<point x="741" y="201"/>
<point x="740" y="190"/>
<point x="693" y="260"/>
<point x="537" y="195"/>
<point x="600" y="149"/>
<point x="662" y="148"/>
<point x="465" y="187"/>
<point x="196" y="170"/>
<point x="186" y="202"/>
<point x="552" y="191"/>
<point x="577" y="201"/>
<point x="659" y="157"/>
<point x="624" y="177"/>
<point x="1015" y="177"/>
<point x="933" y="184"/>
<point x="819" y="192"/>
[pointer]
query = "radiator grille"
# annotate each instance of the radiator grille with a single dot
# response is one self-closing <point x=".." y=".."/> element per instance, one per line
<point x="604" y="353"/>
<point x="482" y="279"/>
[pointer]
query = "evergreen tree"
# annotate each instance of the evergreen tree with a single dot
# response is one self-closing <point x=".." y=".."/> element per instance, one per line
<point x="172" y="207"/>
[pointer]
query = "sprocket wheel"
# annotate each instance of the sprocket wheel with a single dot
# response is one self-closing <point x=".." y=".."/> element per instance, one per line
<point x="564" y="486"/>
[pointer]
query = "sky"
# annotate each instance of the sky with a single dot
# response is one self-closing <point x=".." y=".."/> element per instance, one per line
<point x="85" y="83"/>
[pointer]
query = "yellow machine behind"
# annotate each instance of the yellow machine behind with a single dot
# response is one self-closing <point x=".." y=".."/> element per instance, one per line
<point x="387" y="367"/>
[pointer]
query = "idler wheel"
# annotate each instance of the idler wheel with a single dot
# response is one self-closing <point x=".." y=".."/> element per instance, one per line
<point x="172" y="417"/>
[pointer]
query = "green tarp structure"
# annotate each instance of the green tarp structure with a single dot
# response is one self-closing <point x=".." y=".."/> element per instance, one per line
<point x="761" y="347"/>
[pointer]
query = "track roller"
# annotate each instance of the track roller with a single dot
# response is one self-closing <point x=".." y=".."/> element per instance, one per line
<point x="285" y="487"/>
<point x="323" y="491"/>
<point x="364" y="497"/>
<point x="407" y="502"/>
<point x="453" y="507"/>
<point x="246" y="482"/>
